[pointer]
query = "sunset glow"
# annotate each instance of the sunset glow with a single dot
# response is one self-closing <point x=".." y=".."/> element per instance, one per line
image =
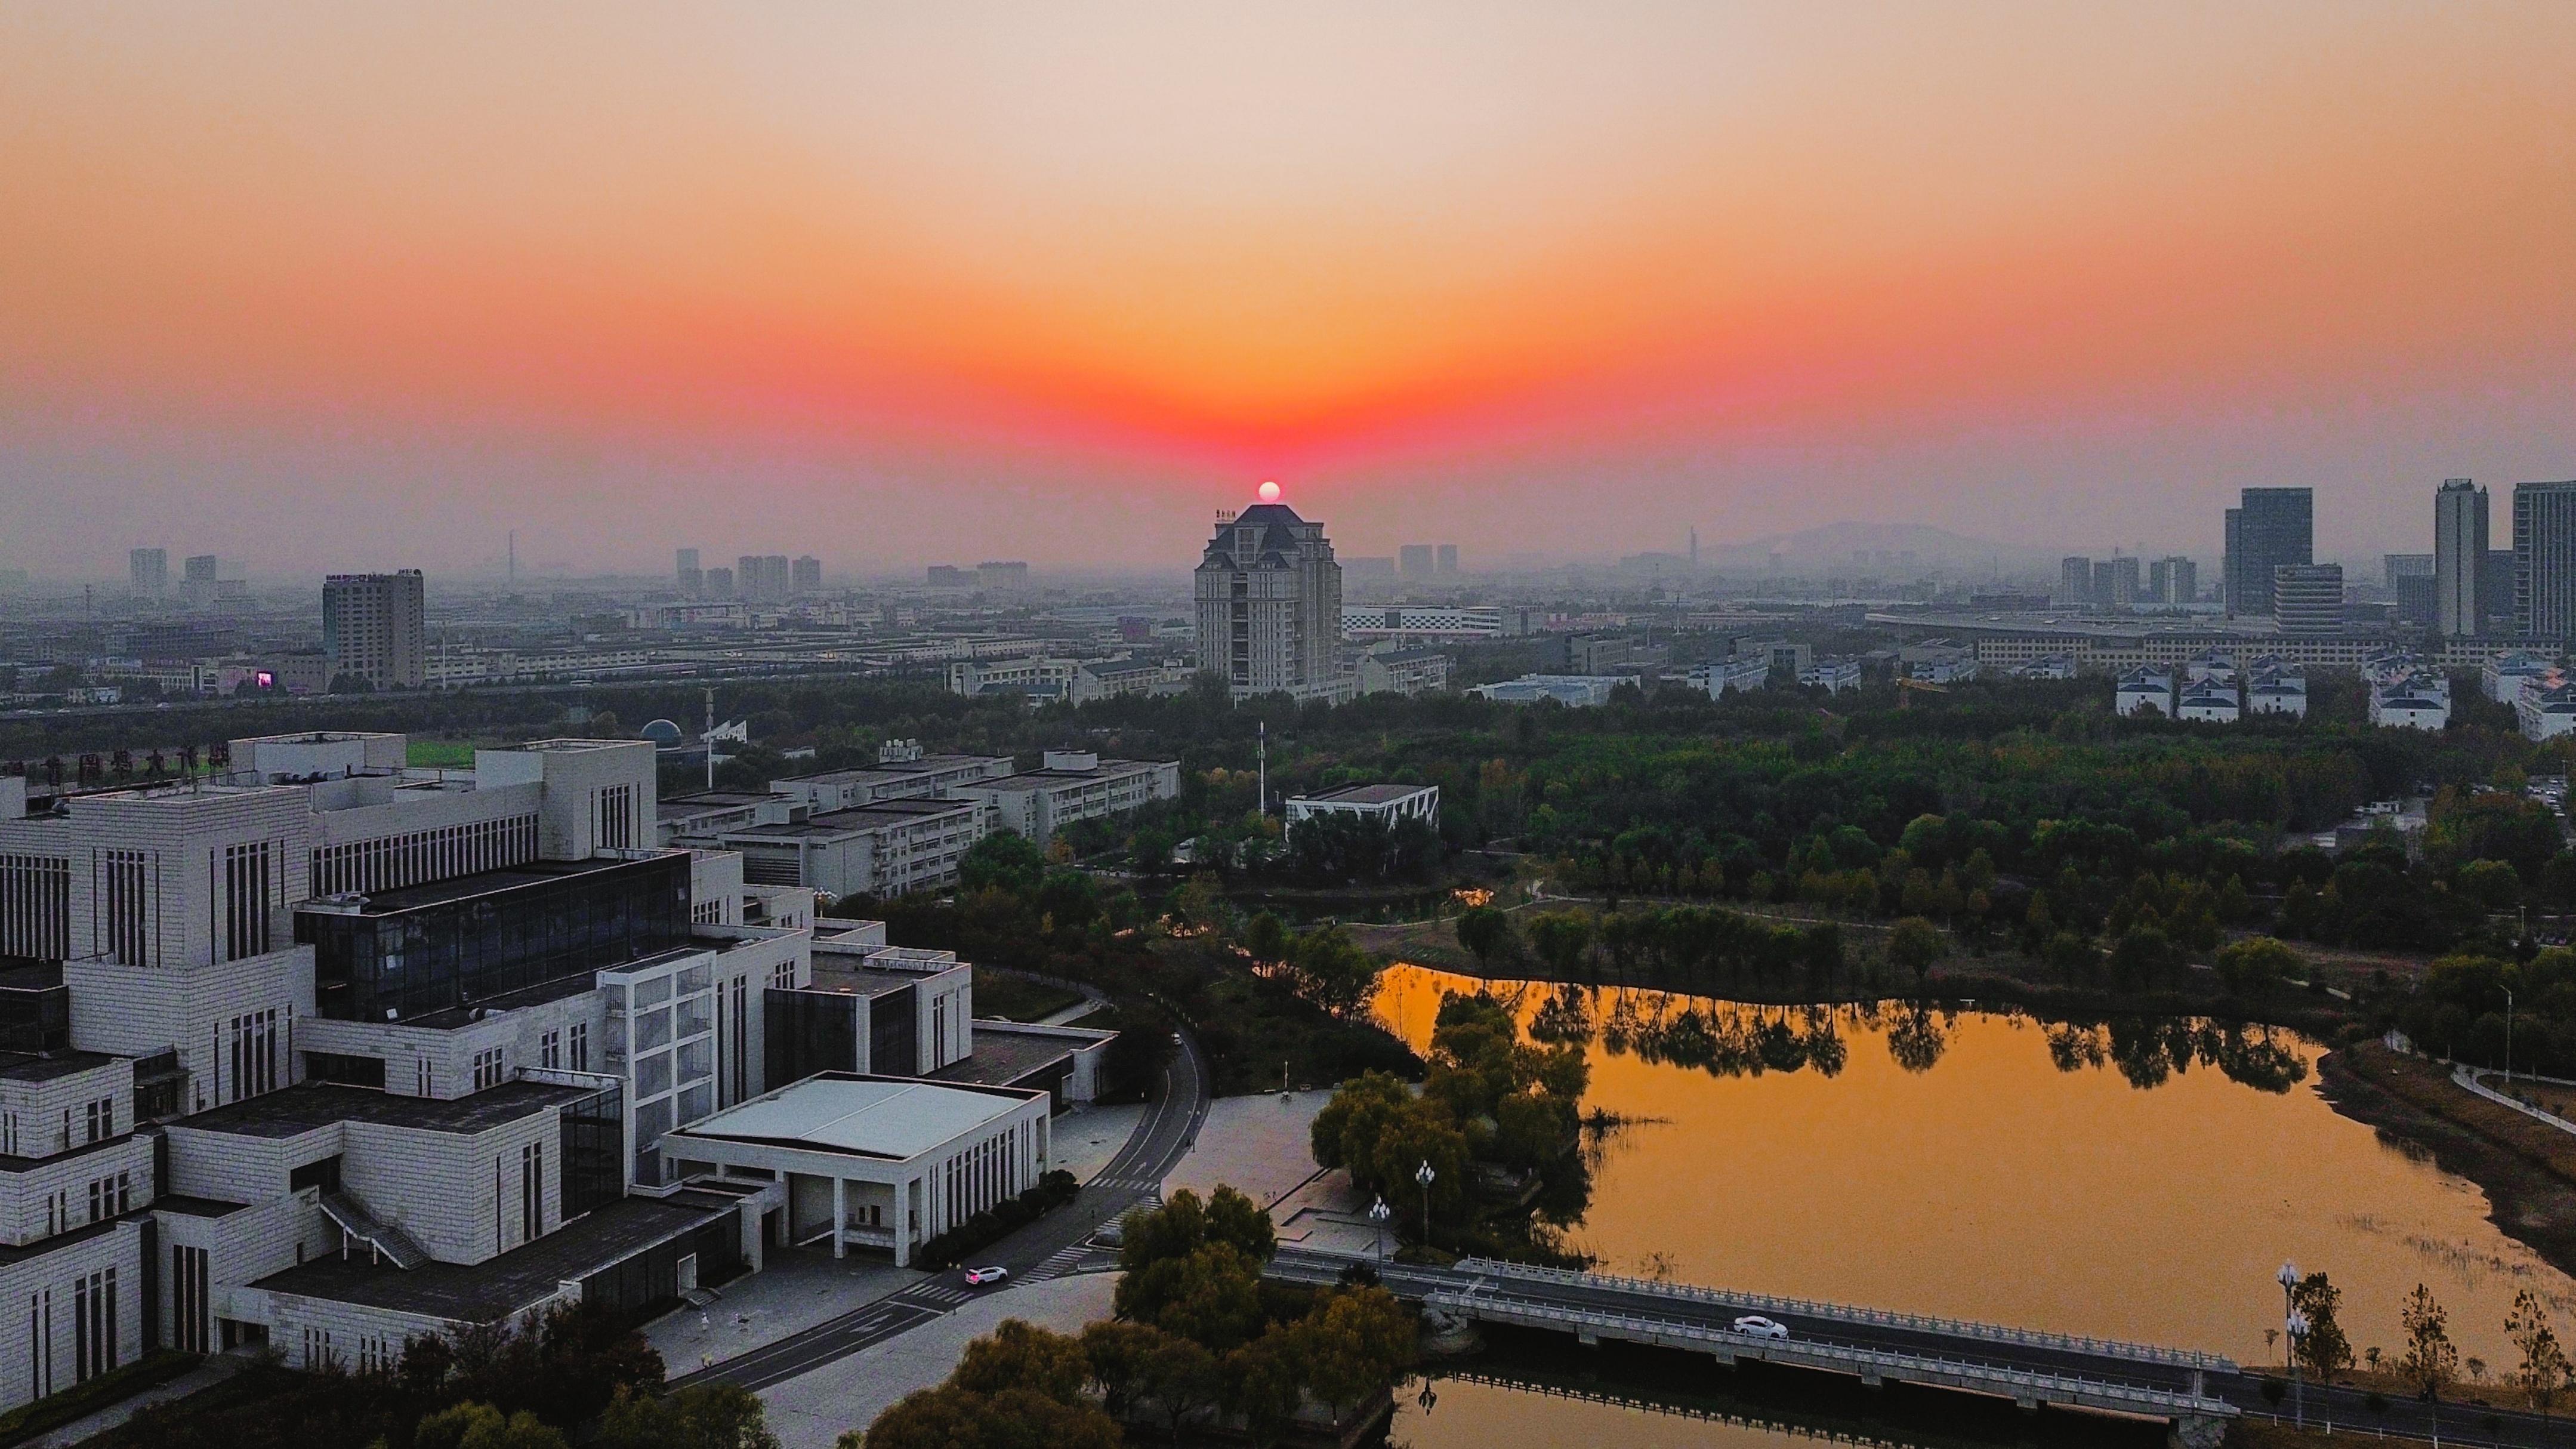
<point x="904" y="273"/>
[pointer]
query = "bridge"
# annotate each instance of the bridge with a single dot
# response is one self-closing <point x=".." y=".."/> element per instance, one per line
<point x="2029" y="1367"/>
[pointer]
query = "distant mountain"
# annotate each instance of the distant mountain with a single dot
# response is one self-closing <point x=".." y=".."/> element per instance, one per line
<point x="1851" y="546"/>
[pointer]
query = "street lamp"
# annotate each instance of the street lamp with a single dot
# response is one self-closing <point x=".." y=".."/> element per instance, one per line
<point x="2508" y="1039"/>
<point x="2296" y="1325"/>
<point x="1378" y="1213"/>
<point x="1424" y="1175"/>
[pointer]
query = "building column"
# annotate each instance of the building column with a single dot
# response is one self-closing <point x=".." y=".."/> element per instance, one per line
<point x="840" y="1216"/>
<point x="903" y="1223"/>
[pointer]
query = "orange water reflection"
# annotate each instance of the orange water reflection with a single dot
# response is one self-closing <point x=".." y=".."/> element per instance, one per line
<point x="1994" y="1185"/>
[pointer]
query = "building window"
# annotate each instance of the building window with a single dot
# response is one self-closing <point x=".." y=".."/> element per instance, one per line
<point x="126" y="925"/>
<point x="191" y="1311"/>
<point x="427" y="1075"/>
<point x="254" y="1054"/>
<point x="40" y="1335"/>
<point x="94" y="1324"/>
<point x="317" y="1349"/>
<point x="487" y="1069"/>
<point x="246" y="900"/>
<point x="581" y="1046"/>
<point x="99" y="1118"/>
<point x="532" y="1192"/>
<point x="550" y="1050"/>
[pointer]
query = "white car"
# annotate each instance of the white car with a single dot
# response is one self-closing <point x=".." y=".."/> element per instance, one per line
<point x="1757" y="1326"/>
<point x="978" y="1277"/>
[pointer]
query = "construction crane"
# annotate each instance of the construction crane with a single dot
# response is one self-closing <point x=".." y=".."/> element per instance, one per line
<point x="1906" y="689"/>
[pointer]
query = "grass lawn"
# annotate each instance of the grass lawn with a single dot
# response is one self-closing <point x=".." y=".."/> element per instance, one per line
<point x="424" y="754"/>
<point x="1006" y="997"/>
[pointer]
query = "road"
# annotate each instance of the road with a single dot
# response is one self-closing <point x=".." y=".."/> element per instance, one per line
<point x="2127" y="1365"/>
<point x="1052" y="1246"/>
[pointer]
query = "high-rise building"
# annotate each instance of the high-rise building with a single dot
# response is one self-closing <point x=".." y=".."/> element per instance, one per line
<point x="2409" y="577"/>
<point x="720" y="584"/>
<point x="1002" y="576"/>
<point x="2115" y="581"/>
<point x="375" y="626"/>
<point x="2460" y="606"/>
<point x="947" y="576"/>
<point x="2544" y="560"/>
<point x="1414" y="560"/>
<point x="2269" y="529"/>
<point x="2496" y="596"/>
<point x="1269" y="598"/>
<point x="805" y="575"/>
<point x="2308" y="598"/>
<point x="691" y="579"/>
<point x="762" y="577"/>
<point x="197" y="580"/>
<point x="2075" y="579"/>
<point x="1448" y="565"/>
<point x="2174" y="580"/>
<point x="149" y="568"/>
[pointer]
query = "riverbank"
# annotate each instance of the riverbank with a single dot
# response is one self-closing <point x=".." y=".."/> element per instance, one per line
<point x="2527" y="1168"/>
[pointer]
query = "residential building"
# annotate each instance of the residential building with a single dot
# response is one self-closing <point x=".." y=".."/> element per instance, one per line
<point x="2308" y="598"/>
<point x="948" y="576"/>
<point x="720" y="584"/>
<point x="2407" y="692"/>
<point x="2544" y="560"/>
<point x="1831" y="675"/>
<point x="1575" y="691"/>
<point x="1070" y="786"/>
<point x="2174" y="580"/>
<point x="2502" y="677"/>
<point x="1414" y="561"/>
<point x="2546" y="713"/>
<point x="1447" y="564"/>
<point x="1095" y="679"/>
<point x="1269" y="605"/>
<point x="374" y="626"/>
<point x="1719" y="677"/>
<point x="148" y="571"/>
<point x="763" y="578"/>
<point x="2277" y="688"/>
<point x="198" y="584"/>
<point x="2272" y="528"/>
<point x="1386" y="804"/>
<point x="1938" y="661"/>
<point x="2047" y="666"/>
<point x="2208" y="700"/>
<point x="2075" y="580"/>
<point x="2496" y="589"/>
<point x="2115" y="582"/>
<point x="686" y="576"/>
<point x="1002" y="576"/>
<point x="1391" y="668"/>
<point x="2146" y="690"/>
<point x="805" y="575"/>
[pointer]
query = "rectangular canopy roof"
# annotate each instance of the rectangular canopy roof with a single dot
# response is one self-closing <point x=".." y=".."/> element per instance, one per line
<point x="890" y="1117"/>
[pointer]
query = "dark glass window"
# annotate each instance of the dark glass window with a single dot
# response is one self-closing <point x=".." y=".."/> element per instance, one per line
<point x="894" y="1034"/>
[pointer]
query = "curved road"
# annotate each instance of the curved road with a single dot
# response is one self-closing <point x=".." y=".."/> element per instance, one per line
<point x="1054" y="1244"/>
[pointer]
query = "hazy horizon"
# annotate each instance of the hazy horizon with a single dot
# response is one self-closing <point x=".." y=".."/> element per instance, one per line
<point x="315" y="287"/>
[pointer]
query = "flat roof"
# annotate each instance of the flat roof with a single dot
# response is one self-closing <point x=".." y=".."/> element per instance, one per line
<point x="896" y="1118"/>
<point x="46" y="1066"/>
<point x="1002" y="1057"/>
<point x="857" y="818"/>
<point x="869" y="981"/>
<point x="314" y="1105"/>
<point x="1369" y="794"/>
<point x="498" y="1287"/>
<point x="890" y="769"/>
<point x="1033" y="778"/>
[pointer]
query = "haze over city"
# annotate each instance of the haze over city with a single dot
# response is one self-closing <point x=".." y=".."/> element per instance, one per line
<point x="1049" y="282"/>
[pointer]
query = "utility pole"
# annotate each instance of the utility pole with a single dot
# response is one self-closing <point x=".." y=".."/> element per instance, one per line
<point x="710" y="737"/>
<point x="1261" y="806"/>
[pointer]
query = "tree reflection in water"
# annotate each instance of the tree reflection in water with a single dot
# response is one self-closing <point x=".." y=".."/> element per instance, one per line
<point x="1732" y="1039"/>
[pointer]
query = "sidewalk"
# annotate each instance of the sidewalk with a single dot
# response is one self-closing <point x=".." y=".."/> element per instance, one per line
<point x="206" y="1375"/>
<point x="801" y="1287"/>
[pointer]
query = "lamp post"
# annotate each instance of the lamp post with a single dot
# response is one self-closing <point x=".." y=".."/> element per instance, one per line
<point x="1424" y="1175"/>
<point x="2508" y="1039"/>
<point x="2295" y="1325"/>
<point x="1378" y="1213"/>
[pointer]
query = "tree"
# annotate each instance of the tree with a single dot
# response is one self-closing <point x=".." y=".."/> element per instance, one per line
<point x="1560" y="937"/>
<point x="1181" y="1377"/>
<point x="1116" y="1352"/>
<point x="1334" y="972"/>
<point x="1211" y="1297"/>
<point x="1004" y="860"/>
<point x="2431" y="1360"/>
<point x="1265" y="937"/>
<point x="2252" y="969"/>
<point x="2544" y="1371"/>
<point x="2325" y="1352"/>
<point x="1018" y="1354"/>
<point x="1914" y="945"/>
<point x="949" y="1417"/>
<point x="701" y="1416"/>
<point x="1188" y="1223"/>
<point x="1486" y="931"/>
<point x="1264" y="1381"/>
<point x="1352" y="1345"/>
<point x="480" y="1426"/>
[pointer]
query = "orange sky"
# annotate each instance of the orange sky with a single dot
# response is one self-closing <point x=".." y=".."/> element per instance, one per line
<point x="374" y="283"/>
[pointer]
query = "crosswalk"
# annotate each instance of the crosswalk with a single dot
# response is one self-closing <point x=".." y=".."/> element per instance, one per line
<point x="934" y="1295"/>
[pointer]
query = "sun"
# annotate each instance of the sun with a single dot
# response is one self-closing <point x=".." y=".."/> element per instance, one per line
<point x="1269" y="492"/>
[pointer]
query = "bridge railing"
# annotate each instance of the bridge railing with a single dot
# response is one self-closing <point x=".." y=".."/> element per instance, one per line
<point x="1877" y="1317"/>
<point x="2052" y="1388"/>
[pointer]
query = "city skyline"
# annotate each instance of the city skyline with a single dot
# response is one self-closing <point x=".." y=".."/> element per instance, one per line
<point x="384" y="285"/>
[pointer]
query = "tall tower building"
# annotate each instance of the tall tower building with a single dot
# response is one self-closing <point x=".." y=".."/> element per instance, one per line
<point x="375" y="627"/>
<point x="149" y="569"/>
<point x="1270" y="604"/>
<point x="2174" y="580"/>
<point x="1448" y="560"/>
<point x="1414" y="560"/>
<point x="2544" y="559"/>
<point x="2269" y="529"/>
<point x="805" y="575"/>
<point x="691" y="579"/>
<point x="2459" y="558"/>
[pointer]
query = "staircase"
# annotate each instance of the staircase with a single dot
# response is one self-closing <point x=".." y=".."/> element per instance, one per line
<point x="389" y="1242"/>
